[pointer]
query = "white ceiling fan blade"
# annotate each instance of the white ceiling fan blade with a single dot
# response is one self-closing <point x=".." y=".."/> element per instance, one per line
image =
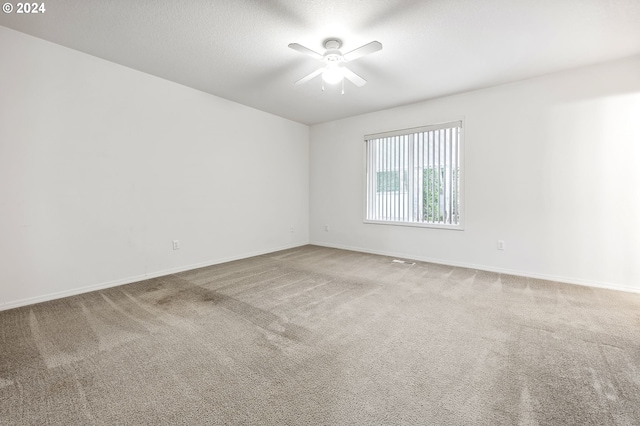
<point x="309" y="76"/>
<point x="304" y="50"/>
<point x="368" y="48"/>
<point x="353" y="77"/>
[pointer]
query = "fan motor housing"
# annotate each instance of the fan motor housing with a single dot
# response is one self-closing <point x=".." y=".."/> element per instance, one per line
<point x="332" y="53"/>
<point x="333" y="56"/>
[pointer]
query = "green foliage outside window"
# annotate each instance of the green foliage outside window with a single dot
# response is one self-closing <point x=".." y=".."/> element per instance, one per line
<point x="434" y="201"/>
<point x="432" y="189"/>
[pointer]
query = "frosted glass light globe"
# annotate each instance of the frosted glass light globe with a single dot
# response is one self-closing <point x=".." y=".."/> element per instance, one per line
<point x="332" y="75"/>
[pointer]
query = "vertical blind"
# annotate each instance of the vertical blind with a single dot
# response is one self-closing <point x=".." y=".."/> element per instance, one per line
<point x="413" y="176"/>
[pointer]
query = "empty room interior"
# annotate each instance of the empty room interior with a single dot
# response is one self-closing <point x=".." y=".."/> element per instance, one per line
<point x="320" y="212"/>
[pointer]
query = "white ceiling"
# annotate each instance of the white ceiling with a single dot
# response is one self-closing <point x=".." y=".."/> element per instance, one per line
<point x="237" y="49"/>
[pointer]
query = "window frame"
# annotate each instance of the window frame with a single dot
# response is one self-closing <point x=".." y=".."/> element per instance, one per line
<point x="461" y="159"/>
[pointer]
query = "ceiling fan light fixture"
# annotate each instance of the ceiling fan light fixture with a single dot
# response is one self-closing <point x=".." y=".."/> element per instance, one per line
<point x="332" y="74"/>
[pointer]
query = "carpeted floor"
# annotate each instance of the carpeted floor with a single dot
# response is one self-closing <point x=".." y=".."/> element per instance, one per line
<point x="318" y="336"/>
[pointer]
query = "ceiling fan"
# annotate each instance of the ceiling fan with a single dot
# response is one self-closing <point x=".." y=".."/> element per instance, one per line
<point x="334" y="71"/>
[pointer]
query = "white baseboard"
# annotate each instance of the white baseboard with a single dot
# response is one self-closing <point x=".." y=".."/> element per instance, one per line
<point x="137" y="278"/>
<point x="567" y="280"/>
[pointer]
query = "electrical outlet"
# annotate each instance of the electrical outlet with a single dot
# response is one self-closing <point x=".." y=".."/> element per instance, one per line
<point x="292" y="229"/>
<point x="500" y="244"/>
<point x="176" y="244"/>
<point x="326" y="228"/>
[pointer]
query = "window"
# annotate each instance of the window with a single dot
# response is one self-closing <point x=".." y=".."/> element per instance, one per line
<point x="414" y="176"/>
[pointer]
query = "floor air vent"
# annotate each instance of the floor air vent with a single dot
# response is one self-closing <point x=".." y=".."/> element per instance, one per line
<point x="403" y="261"/>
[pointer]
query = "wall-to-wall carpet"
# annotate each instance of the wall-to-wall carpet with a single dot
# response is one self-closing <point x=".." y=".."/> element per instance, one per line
<point x="315" y="335"/>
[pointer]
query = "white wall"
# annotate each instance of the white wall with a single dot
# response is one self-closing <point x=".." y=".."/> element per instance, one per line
<point x="101" y="167"/>
<point x="552" y="168"/>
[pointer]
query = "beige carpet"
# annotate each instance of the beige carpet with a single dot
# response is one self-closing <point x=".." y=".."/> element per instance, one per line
<point x="318" y="336"/>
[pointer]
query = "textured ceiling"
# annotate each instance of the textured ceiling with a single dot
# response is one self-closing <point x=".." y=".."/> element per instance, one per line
<point x="237" y="49"/>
